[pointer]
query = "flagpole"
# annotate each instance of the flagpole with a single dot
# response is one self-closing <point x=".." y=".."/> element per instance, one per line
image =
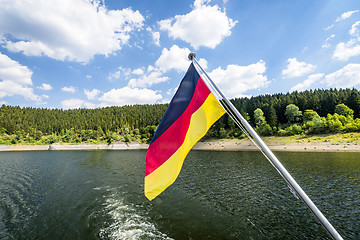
<point x="254" y="137"/>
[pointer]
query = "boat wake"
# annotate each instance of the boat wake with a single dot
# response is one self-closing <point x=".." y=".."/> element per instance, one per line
<point x="127" y="222"/>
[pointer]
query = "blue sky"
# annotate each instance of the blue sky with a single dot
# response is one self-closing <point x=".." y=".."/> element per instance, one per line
<point x="89" y="54"/>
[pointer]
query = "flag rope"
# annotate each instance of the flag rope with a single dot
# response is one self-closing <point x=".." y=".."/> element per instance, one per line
<point x="254" y="137"/>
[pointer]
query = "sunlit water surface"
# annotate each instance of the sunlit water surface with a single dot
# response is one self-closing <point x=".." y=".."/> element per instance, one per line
<point x="218" y="195"/>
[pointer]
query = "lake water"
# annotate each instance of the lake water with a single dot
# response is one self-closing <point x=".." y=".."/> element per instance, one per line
<point x="218" y="195"/>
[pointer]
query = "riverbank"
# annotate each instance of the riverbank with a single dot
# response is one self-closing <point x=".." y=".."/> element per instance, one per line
<point x="82" y="146"/>
<point x="278" y="145"/>
<point x="349" y="142"/>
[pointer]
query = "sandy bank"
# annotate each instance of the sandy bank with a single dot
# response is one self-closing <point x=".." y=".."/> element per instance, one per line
<point x="278" y="145"/>
<point x="227" y="145"/>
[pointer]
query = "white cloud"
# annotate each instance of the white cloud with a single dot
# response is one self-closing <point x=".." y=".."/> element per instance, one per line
<point x="235" y="80"/>
<point x="297" y="69"/>
<point x="155" y="36"/>
<point x="346" y="77"/>
<point x="176" y="58"/>
<point x="205" y="25"/>
<point x="129" y="96"/>
<point x="203" y="63"/>
<point x="329" y="27"/>
<point x="122" y="71"/>
<point x="345" y="15"/>
<point x="89" y="105"/>
<point x="70" y="89"/>
<point x="72" y="103"/>
<point x="327" y="42"/>
<point x="91" y="94"/>
<point x="344" y="51"/>
<point x="199" y="3"/>
<point x="165" y="101"/>
<point x="307" y="83"/>
<point x="354" y="31"/>
<point x="153" y="76"/>
<point x="138" y="71"/>
<point x="342" y="17"/>
<point x="88" y="76"/>
<point x="13" y="71"/>
<point x="15" y="79"/>
<point x="171" y="91"/>
<point x="114" y="75"/>
<point x="73" y="30"/>
<point x="10" y="88"/>
<point x="45" y="87"/>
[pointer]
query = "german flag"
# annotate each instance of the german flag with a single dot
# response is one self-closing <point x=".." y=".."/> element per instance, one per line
<point x="188" y="117"/>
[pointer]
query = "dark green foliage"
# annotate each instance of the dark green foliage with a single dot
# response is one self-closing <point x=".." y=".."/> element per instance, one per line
<point x="264" y="129"/>
<point x="353" y="102"/>
<point x="222" y="133"/>
<point x="321" y="101"/>
<point x="318" y="102"/>
<point x="309" y="115"/>
<point x="48" y="121"/>
<point x="270" y="115"/>
<point x="323" y="111"/>
<point x="292" y="113"/>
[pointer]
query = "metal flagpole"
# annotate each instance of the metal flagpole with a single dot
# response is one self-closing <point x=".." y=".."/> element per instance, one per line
<point x="254" y="137"/>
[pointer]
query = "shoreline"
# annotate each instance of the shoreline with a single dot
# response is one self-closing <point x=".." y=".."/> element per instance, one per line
<point x="65" y="147"/>
<point x="275" y="144"/>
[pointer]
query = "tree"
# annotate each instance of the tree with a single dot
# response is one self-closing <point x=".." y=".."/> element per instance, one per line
<point x="353" y="102"/>
<point x="2" y="131"/>
<point x="292" y="113"/>
<point x="222" y="133"/>
<point x="259" y="117"/>
<point x="272" y="118"/>
<point x="261" y="125"/>
<point x="344" y="110"/>
<point x="309" y="115"/>
<point x="333" y="122"/>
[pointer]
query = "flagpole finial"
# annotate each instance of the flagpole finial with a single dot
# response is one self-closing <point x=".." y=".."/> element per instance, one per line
<point x="192" y="56"/>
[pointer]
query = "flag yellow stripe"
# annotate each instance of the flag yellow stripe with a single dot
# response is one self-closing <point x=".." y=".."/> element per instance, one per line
<point x="200" y="122"/>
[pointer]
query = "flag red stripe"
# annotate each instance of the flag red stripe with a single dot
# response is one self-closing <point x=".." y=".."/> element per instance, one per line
<point x="166" y="145"/>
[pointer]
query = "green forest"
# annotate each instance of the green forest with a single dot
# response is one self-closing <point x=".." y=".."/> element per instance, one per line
<point x="307" y="113"/>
